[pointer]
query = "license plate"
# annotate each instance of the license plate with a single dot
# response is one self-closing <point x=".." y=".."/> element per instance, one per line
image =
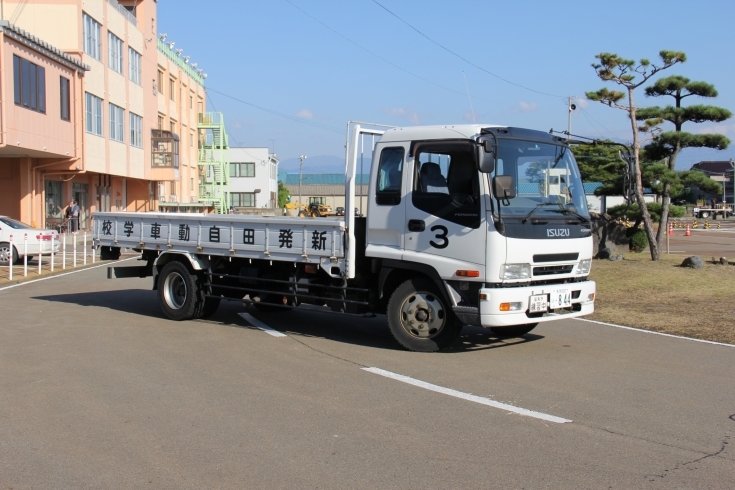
<point x="538" y="303"/>
<point x="560" y="298"/>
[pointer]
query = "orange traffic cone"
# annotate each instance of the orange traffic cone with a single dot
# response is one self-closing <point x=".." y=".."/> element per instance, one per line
<point x="671" y="229"/>
<point x="688" y="232"/>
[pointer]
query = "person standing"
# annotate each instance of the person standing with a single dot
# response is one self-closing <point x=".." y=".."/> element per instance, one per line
<point x="72" y="216"/>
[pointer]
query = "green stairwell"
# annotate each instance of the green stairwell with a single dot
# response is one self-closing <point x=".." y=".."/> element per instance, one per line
<point x="214" y="162"/>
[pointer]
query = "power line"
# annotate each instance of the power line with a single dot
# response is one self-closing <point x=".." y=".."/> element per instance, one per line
<point x="271" y="111"/>
<point x="380" y="57"/>
<point x="461" y="57"/>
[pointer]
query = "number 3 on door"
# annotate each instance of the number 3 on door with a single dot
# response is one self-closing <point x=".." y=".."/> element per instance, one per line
<point x="442" y="235"/>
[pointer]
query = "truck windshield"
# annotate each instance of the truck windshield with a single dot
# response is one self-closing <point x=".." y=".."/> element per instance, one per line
<point x="546" y="177"/>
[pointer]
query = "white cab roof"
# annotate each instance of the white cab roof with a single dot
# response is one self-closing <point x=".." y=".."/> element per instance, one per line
<point x="412" y="133"/>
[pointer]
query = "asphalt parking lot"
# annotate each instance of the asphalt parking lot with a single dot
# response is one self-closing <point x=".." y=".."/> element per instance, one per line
<point x="98" y="390"/>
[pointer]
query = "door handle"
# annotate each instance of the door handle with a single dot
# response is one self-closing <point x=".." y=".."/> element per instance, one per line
<point x="416" y="225"/>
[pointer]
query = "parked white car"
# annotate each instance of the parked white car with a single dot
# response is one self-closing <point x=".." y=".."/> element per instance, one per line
<point x="39" y="241"/>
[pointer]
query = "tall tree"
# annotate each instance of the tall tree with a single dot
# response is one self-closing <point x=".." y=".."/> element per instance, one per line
<point x="667" y="145"/>
<point x="629" y="75"/>
<point x="600" y="162"/>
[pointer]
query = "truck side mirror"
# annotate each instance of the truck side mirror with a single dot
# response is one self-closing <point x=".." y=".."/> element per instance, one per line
<point x="486" y="157"/>
<point x="504" y="187"/>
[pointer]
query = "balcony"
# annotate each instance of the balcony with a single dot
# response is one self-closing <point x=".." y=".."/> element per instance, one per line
<point x="164" y="155"/>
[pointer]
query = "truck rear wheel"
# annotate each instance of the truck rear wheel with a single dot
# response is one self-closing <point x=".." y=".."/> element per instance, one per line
<point x="177" y="292"/>
<point x="513" y="331"/>
<point x="419" y="318"/>
<point x="109" y="253"/>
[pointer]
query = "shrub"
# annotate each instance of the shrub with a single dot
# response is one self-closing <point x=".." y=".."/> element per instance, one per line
<point x="654" y="208"/>
<point x="638" y="241"/>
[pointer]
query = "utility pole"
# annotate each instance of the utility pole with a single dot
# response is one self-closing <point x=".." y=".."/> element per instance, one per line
<point x="301" y="167"/>
<point x="569" y="120"/>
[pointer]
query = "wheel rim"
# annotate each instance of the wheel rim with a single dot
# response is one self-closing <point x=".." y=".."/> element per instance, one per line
<point x="174" y="290"/>
<point x="4" y="253"/>
<point x="422" y="315"/>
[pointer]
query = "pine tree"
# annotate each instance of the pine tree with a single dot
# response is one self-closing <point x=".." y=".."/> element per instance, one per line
<point x="624" y="72"/>
<point x="667" y="145"/>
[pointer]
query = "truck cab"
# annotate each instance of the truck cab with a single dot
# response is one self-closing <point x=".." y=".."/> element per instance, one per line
<point x="507" y="246"/>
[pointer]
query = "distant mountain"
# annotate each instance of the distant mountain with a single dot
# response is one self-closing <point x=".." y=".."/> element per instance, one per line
<point x="320" y="164"/>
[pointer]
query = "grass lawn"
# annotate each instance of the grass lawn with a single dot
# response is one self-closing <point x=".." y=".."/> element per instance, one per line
<point x="664" y="297"/>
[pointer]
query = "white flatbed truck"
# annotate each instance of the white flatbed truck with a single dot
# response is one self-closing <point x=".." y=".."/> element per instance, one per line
<point x="466" y="225"/>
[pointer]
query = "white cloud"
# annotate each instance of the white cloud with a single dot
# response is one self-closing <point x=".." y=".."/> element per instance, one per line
<point x="581" y="102"/>
<point x="403" y="113"/>
<point x="719" y="129"/>
<point x="305" y="114"/>
<point x="528" y="106"/>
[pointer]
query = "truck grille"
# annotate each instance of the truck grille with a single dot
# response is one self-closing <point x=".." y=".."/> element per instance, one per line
<point x="549" y="270"/>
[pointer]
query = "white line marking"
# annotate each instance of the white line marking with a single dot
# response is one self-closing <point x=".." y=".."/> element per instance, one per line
<point x="466" y="396"/>
<point x="258" y="324"/>
<point x="656" y="333"/>
<point x="64" y="274"/>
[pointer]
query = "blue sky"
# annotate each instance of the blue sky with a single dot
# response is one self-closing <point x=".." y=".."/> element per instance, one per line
<point x="310" y="65"/>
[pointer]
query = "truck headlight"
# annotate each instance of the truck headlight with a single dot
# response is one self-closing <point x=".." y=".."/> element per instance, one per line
<point x="515" y="271"/>
<point x="584" y="266"/>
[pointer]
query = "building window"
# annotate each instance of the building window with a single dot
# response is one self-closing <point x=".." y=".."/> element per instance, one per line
<point x="115" y="52"/>
<point x="160" y="122"/>
<point x="242" y="199"/>
<point x="172" y="88"/>
<point x="92" y="41"/>
<point x="64" y="97"/>
<point x="191" y="139"/>
<point x="191" y="101"/>
<point x="134" y="66"/>
<point x="136" y="130"/>
<point x="93" y="114"/>
<point x="117" y="125"/>
<point x="192" y="184"/>
<point x="172" y="126"/>
<point x="160" y="82"/>
<point x="30" y="84"/>
<point x="242" y="170"/>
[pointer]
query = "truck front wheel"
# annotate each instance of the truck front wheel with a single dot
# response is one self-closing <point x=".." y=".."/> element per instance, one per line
<point x="419" y="318"/>
<point x="177" y="292"/>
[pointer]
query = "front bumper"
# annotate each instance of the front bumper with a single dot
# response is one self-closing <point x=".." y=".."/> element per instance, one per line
<point x="491" y="316"/>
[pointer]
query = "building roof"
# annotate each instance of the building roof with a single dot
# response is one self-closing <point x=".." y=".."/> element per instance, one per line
<point x="25" y="37"/>
<point x="714" y="166"/>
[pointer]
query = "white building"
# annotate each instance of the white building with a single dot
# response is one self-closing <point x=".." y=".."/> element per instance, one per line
<point x="253" y="178"/>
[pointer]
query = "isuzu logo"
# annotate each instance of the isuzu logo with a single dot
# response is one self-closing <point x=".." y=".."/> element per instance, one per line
<point x="557" y="232"/>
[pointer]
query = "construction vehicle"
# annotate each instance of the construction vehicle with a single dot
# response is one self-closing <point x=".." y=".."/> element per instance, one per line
<point x="704" y="211"/>
<point x="318" y="208"/>
<point x="462" y="228"/>
<point x="297" y="209"/>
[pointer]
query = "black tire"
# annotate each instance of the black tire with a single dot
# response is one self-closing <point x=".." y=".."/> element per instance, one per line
<point x="8" y="256"/>
<point x="420" y="319"/>
<point x="109" y="253"/>
<point x="209" y="307"/>
<point x="178" y="292"/>
<point x="513" y="331"/>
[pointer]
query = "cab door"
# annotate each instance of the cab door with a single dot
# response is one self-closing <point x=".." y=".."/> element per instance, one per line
<point x="445" y="222"/>
<point x="387" y="210"/>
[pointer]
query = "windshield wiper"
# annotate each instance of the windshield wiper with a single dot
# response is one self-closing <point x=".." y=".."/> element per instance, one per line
<point x="539" y="206"/>
<point x="582" y="218"/>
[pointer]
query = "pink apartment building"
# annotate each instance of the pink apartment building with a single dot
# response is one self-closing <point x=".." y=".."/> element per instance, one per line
<point x="94" y="106"/>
